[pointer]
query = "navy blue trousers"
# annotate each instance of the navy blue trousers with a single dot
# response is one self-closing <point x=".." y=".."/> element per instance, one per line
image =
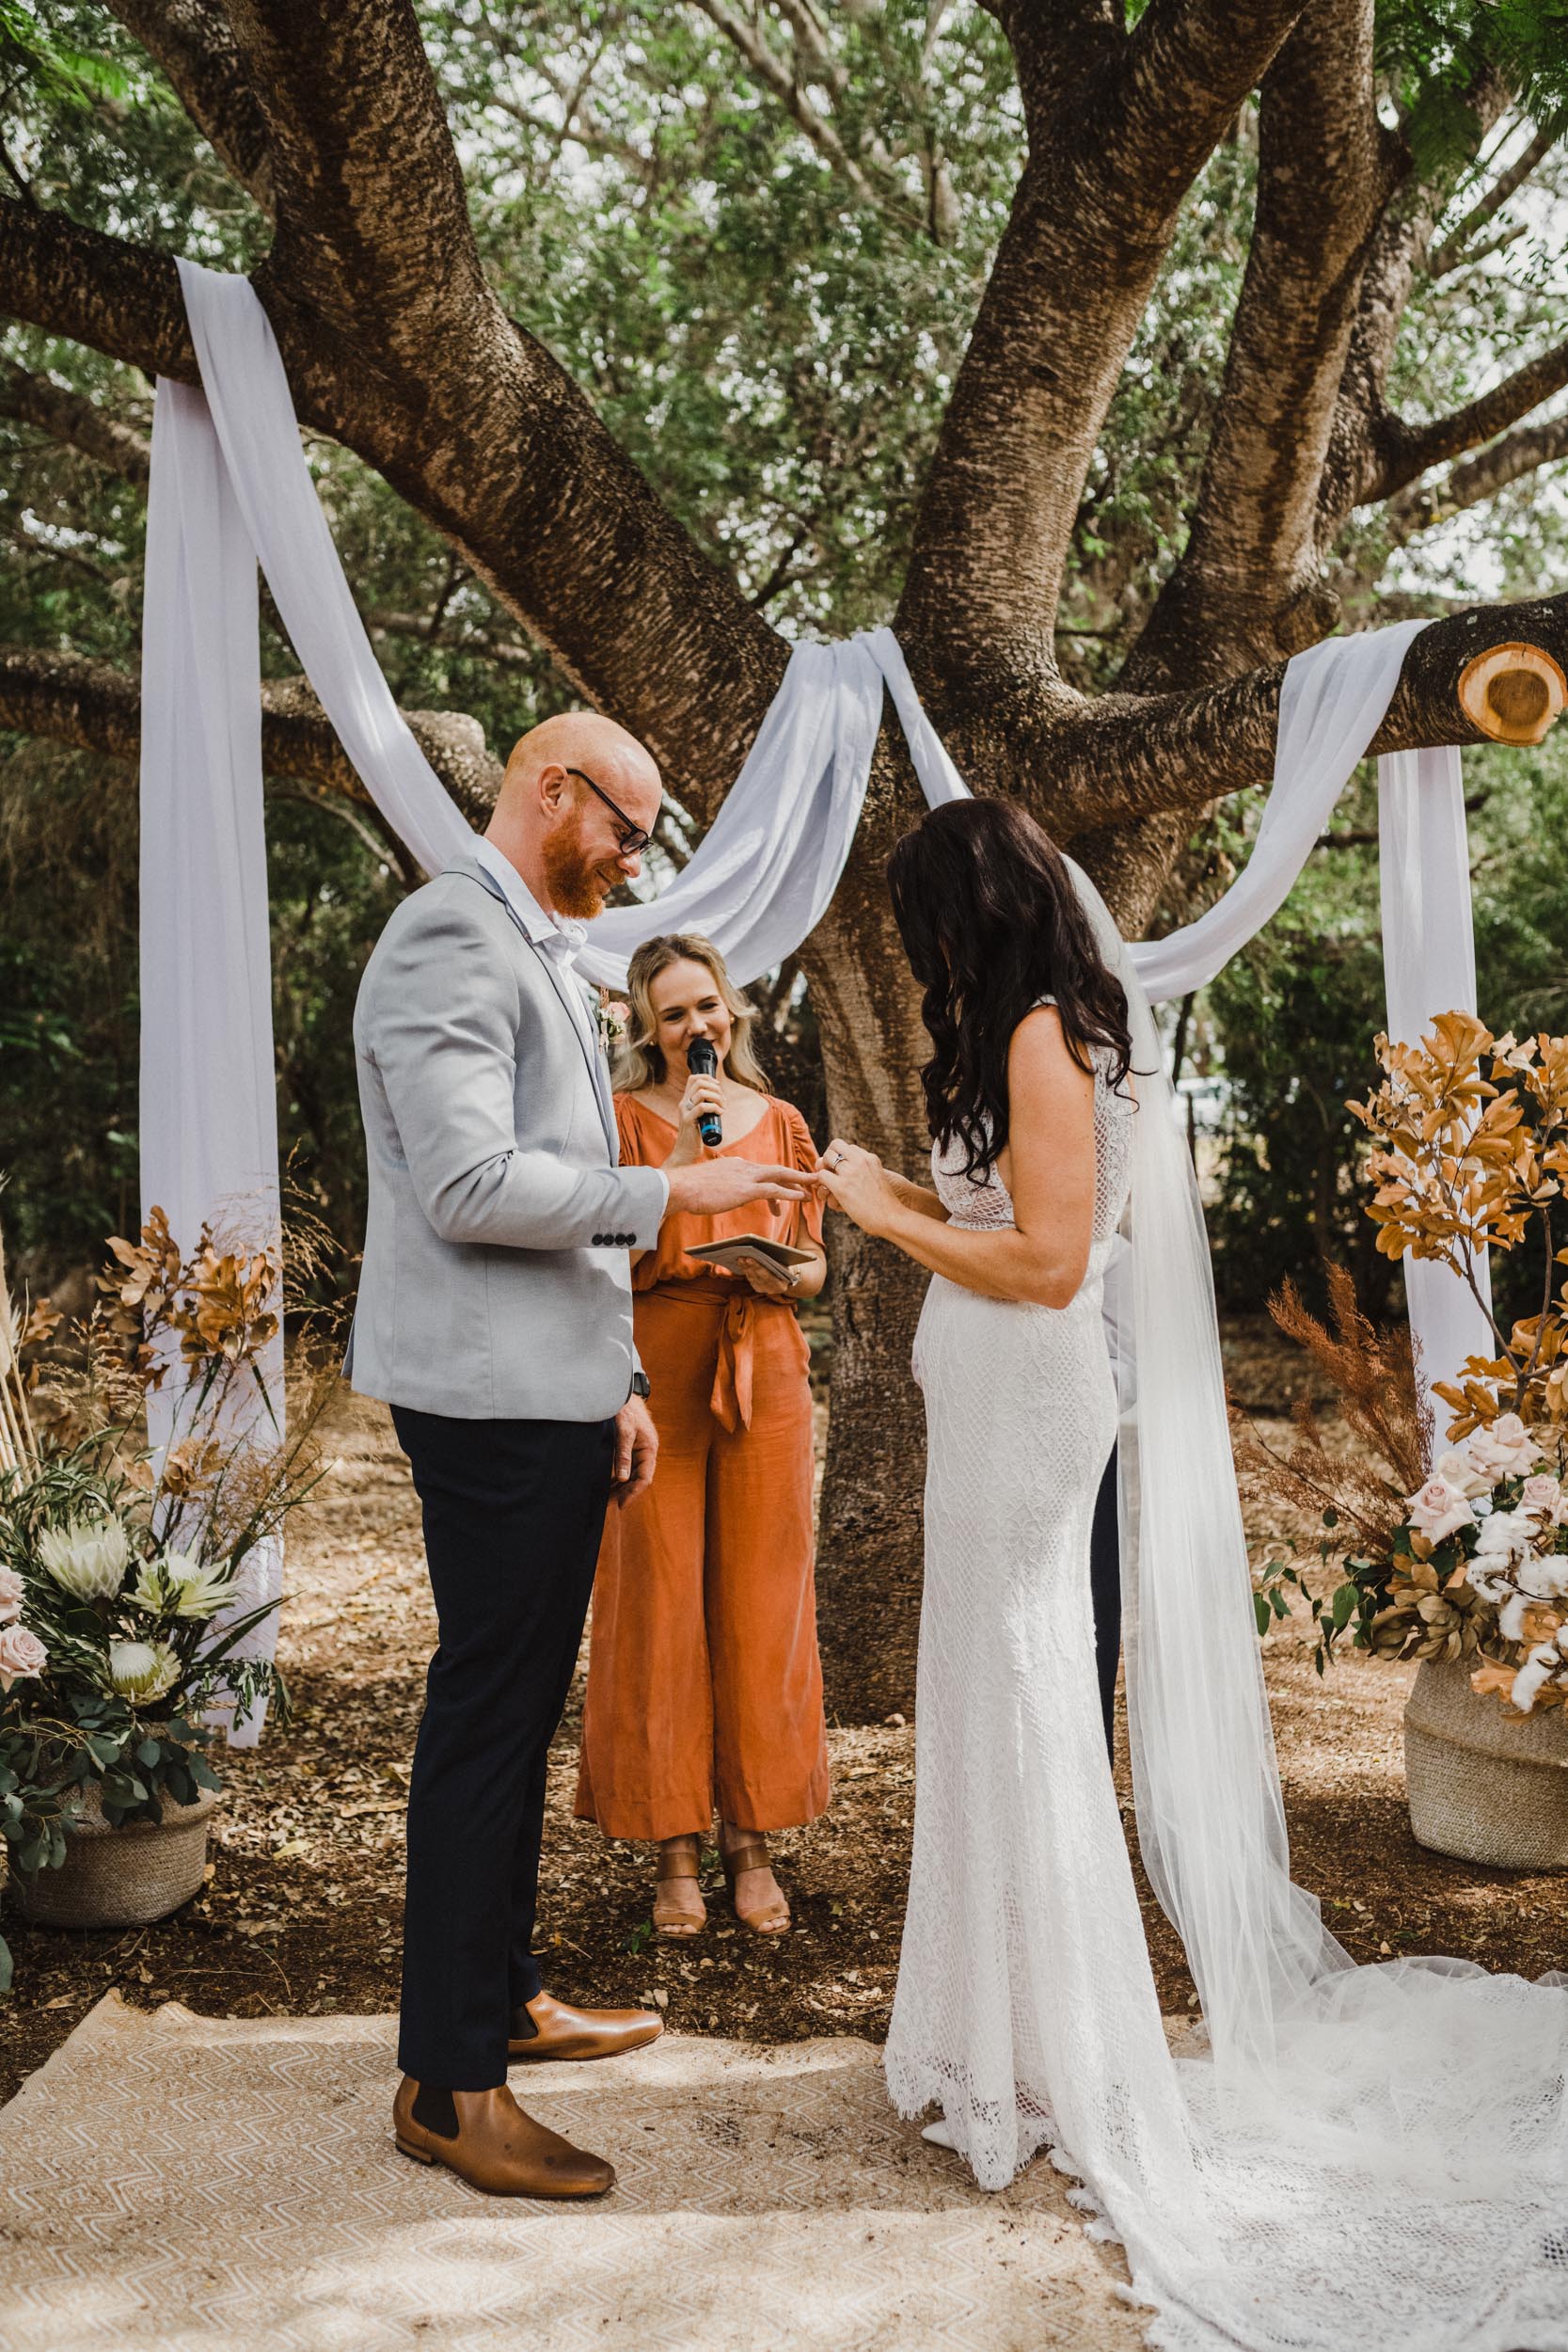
<point x="513" y="1511"/>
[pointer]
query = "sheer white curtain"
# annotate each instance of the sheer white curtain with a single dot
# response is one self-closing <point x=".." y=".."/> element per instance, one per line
<point x="1379" y="2155"/>
<point x="231" y="488"/>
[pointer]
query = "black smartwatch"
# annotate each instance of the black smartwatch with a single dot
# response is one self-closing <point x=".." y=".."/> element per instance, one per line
<point x="640" y="1384"/>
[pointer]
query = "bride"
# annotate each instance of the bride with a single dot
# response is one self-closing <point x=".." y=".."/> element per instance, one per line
<point x="1368" y="2155"/>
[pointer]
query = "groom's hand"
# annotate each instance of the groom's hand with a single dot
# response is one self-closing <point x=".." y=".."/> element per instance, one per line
<point x="636" y="1451"/>
<point x="714" y="1186"/>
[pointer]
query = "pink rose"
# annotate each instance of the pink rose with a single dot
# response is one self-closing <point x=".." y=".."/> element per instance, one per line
<point x="1438" y="1509"/>
<point x="20" y="1652"/>
<point x="1541" y="1494"/>
<point x="12" y="1590"/>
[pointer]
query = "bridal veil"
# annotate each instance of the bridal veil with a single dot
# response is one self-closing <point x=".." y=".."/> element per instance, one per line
<point x="1378" y="2155"/>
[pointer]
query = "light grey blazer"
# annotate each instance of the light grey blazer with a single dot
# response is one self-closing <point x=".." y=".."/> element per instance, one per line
<point x="495" y="1282"/>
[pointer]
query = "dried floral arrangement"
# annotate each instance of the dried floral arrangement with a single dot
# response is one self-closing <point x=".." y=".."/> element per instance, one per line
<point x="1463" y="1556"/>
<point x="131" y="1576"/>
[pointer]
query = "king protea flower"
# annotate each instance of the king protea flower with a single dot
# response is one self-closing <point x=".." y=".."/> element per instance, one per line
<point x="142" y="1671"/>
<point x="88" y="1558"/>
<point x="177" y="1584"/>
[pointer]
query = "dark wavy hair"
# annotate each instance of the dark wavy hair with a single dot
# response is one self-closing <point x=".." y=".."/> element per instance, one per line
<point x="991" y="923"/>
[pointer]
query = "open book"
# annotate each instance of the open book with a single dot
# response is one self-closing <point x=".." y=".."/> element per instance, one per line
<point x="729" y="1254"/>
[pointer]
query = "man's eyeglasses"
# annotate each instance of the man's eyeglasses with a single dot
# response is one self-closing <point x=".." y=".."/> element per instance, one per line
<point x="633" y="839"/>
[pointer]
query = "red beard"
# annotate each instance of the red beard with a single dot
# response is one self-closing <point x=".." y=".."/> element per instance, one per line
<point x="577" y="887"/>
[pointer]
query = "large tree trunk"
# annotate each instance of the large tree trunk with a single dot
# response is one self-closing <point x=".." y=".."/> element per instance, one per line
<point x="395" y="345"/>
<point x="873" y="1044"/>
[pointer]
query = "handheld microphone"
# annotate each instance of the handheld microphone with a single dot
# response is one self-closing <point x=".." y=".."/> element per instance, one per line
<point x="702" y="1061"/>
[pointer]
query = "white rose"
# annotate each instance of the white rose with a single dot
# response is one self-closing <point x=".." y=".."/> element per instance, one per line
<point x="88" y="1559"/>
<point x="12" y="1591"/>
<point x="1437" y="1509"/>
<point x="1460" y="1471"/>
<point x="1506" y="1450"/>
<point x="1541" y="1495"/>
<point x="143" y="1670"/>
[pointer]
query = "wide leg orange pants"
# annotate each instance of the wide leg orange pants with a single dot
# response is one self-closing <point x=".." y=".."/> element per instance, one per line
<point x="704" y="1689"/>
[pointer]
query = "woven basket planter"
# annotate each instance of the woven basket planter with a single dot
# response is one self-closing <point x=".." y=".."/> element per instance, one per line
<point x="120" y="1878"/>
<point x="1486" y="1784"/>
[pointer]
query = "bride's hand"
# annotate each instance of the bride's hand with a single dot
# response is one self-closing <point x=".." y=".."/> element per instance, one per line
<point x="856" y="1181"/>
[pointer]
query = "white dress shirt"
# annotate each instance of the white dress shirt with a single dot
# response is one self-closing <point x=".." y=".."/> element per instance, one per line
<point x="555" y="935"/>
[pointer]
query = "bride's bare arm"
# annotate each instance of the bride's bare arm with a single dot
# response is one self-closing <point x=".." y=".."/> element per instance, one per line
<point x="1049" y="1167"/>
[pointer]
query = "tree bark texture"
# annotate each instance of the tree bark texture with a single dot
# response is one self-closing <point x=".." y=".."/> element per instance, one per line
<point x="396" y="345"/>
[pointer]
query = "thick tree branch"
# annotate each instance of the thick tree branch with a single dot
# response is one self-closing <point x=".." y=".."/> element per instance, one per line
<point x="120" y="298"/>
<point x="1426" y="504"/>
<point x="76" y="421"/>
<point x="1403" y="451"/>
<point x="1127" y="759"/>
<point x="1399" y="252"/>
<point x="505" y="457"/>
<point x="1452" y="251"/>
<point x="1056" y="44"/>
<point x="194" y="43"/>
<point x="1247" y="587"/>
<point x="97" y="707"/>
<point x="1091" y="221"/>
<point x="373" y="237"/>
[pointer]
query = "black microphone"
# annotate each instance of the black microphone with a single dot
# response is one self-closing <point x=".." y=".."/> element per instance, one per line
<point x="702" y="1061"/>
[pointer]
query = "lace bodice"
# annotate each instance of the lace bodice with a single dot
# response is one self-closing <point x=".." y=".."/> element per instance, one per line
<point x="985" y="1204"/>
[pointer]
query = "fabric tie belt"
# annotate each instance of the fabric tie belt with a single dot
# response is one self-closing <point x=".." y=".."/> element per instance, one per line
<point x="730" y="1400"/>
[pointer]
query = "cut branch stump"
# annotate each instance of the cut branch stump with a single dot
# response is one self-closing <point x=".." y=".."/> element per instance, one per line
<point x="1512" y="692"/>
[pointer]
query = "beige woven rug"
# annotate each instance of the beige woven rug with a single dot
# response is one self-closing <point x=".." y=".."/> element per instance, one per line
<point x="179" y="2184"/>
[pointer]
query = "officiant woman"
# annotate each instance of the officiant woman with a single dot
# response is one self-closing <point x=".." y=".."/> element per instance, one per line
<point x="705" y="1690"/>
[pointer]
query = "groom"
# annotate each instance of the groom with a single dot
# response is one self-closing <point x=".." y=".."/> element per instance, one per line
<point x="495" y="1317"/>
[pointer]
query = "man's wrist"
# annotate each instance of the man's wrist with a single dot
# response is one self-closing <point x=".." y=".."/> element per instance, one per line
<point x="642" y="1386"/>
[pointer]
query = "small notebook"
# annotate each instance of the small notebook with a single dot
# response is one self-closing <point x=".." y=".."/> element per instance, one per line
<point x="729" y="1254"/>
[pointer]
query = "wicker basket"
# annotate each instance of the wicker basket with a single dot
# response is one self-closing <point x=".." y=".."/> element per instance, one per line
<point x="1483" y="1783"/>
<point x="120" y="1878"/>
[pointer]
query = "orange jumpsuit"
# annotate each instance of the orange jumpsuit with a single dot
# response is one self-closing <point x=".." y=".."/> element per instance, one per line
<point x="704" y="1689"/>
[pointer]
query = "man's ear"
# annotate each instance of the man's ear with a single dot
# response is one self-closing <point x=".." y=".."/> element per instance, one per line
<point x="552" y="783"/>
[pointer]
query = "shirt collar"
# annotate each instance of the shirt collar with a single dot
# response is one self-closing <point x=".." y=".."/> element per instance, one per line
<point x="560" y="937"/>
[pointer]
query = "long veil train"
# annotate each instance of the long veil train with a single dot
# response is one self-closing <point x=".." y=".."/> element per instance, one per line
<point x="1372" y="2156"/>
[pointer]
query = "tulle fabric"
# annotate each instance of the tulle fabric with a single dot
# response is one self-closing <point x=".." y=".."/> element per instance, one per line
<point x="1374" y="2157"/>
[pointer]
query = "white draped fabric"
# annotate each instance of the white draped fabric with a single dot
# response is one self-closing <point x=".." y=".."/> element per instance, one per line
<point x="231" y="486"/>
<point x="1372" y="2155"/>
<point x="1365" y="2155"/>
<point x="209" y="1107"/>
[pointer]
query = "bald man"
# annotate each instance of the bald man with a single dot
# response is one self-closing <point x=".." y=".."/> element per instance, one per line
<point x="494" y="1316"/>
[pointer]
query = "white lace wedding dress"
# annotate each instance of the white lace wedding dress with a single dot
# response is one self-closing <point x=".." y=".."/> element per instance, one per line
<point x="1384" y="2167"/>
<point x="1021" y="1894"/>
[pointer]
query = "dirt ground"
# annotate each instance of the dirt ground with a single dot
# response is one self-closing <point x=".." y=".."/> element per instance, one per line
<point x="302" y="1908"/>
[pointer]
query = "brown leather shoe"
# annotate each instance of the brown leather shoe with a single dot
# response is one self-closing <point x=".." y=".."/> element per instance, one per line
<point x="547" y="2028"/>
<point x="485" y="2137"/>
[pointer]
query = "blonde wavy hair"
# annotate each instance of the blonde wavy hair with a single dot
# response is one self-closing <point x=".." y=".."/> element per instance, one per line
<point x="640" y="1062"/>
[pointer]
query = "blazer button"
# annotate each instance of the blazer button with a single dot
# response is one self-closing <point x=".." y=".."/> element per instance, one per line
<point x="595" y="1241"/>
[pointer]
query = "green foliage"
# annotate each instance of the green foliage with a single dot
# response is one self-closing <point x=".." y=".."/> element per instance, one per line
<point x="775" y="347"/>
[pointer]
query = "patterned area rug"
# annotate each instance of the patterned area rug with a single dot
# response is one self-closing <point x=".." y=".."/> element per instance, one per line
<point x="171" y="2183"/>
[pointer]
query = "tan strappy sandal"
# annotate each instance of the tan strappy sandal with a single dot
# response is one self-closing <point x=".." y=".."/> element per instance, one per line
<point x="753" y="1856"/>
<point x="678" y="1859"/>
